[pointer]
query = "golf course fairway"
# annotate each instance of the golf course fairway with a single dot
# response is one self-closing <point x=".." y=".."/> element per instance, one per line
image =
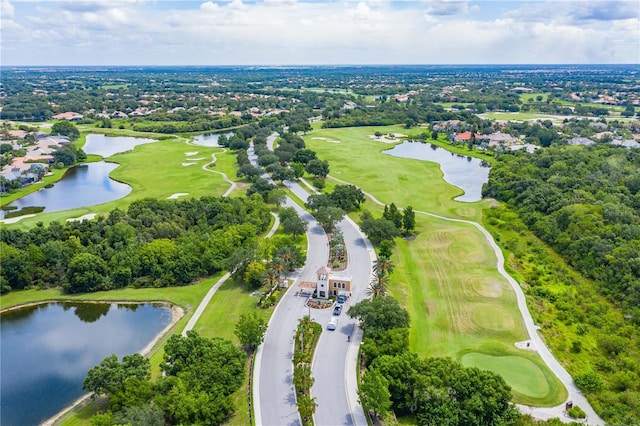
<point x="445" y="276"/>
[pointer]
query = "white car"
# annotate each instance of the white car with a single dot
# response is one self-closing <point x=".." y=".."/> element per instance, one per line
<point x="332" y="324"/>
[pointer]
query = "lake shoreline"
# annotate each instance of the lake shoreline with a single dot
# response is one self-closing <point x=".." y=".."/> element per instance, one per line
<point x="177" y="313"/>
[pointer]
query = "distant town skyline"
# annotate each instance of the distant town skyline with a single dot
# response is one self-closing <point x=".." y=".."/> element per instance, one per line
<point x="290" y="32"/>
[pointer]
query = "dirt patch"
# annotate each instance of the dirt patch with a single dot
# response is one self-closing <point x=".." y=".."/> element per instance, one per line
<point x="486" y="287"/>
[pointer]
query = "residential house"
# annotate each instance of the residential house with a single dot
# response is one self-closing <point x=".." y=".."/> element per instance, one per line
<point x="463" y="137"/>
<point x="497" y="138"/>
<point x="580" y="141"/>
<point x="69" y="116"/>
<point x="627" y="143"/>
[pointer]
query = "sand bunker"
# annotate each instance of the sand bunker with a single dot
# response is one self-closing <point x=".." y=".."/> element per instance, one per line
<point x="16" y="219"/>
<point x="189" y="154"/>
<point x="187" y="164"/>
<point x="195" y="159"/>
<point x="81" y="218"/>
<point x="387" y="139"/>
<point x="177" y="195"/>
<point x="326" y="139"/>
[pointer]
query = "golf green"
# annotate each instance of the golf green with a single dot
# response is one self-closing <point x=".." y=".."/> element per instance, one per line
<point x="524" y="376"/>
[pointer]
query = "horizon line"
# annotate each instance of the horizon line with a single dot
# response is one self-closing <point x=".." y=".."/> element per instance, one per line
<point x="320" y="65"/>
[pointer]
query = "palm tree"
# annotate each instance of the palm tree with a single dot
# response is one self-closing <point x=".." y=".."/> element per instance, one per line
<point x="279" y="265"/>
<point x="307" y="407"/>
<point x="383" y="266"/>
<point x="378" y="286"/>
<point x="288" y="257"/>
<point x="271" y="277"/>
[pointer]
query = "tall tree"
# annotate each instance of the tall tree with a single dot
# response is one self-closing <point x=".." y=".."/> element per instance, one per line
<point x="250" y="330"/>
<point x="383" y="266"/>
<point x="374" y="392"/>
<point x="378" y="315"/>
<point x="408" y="220"/>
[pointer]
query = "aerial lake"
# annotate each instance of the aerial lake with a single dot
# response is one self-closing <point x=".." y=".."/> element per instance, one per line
<point x="107" y="146"/>
<point x="465" y="172"/>
<point x="82" y="186"/>
<point x="209" y="139"/>
<point x="46" y="351"/>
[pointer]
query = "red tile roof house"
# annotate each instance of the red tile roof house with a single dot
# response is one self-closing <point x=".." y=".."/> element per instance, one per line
<point x="463" y="137"/>
<point x="69" y="116"/>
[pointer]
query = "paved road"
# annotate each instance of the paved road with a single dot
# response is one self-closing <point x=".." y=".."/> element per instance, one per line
<point x="334" y="365"/>
<point x="535" y="340"/>
<point x="273" y="390"/>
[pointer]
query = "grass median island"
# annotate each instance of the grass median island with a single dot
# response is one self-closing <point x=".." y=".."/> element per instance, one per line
<point x="460" y="306"/>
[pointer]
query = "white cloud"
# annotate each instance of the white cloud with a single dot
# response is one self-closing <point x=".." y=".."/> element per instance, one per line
<point x="287" y="32"/>
<point x="576" y="12"/>
<point x="7" y="11"/>
<point x="362" y="12"/>
<point x="209" y="7"/>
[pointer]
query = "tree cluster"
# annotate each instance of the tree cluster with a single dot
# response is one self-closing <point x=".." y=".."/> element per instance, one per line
<point x="393" y="223"/>
<point x="154" y="243"/>
<point x="436" y="391"/>
<point x="200" y="374"/>
<point x="329" y="209"/>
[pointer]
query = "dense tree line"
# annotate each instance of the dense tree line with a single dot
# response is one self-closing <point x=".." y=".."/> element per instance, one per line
<point x="199" y="376"/>
<point x="388" y="113"/>
<point x="154" y="243"/>
<point x="594" y="339"/>
<point x="584" y="202"/>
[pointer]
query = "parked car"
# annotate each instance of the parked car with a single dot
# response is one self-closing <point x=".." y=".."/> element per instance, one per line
<point x="341" y="298"/>
<point x="332" y="324"/>
<point x="337" y="310"/>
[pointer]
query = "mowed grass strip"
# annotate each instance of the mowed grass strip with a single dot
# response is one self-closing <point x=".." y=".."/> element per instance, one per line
<point x="459" y="304"/>
<point x="526" y="377"/>
<point x="462" y="299"/>
<point x="358" y="159"/>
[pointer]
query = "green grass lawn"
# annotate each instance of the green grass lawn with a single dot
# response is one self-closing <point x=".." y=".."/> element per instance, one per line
<point x="459" y="305"/>
<point x="524" y="97"/>
<point x="517" y="116"/>
<point x="525" y="376"/>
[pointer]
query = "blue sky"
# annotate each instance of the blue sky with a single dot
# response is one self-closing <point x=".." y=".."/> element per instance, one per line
<point x="273" y="32"/>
